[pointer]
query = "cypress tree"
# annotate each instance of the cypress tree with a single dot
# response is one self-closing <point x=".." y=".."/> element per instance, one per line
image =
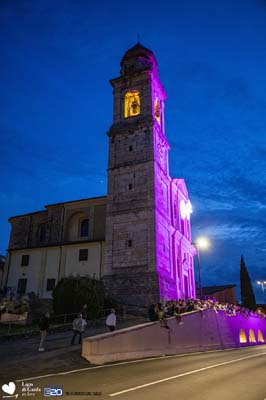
<point x="247" y="294"/>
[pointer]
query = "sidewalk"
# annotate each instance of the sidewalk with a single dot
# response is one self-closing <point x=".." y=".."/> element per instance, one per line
<point x="20" y="358"/>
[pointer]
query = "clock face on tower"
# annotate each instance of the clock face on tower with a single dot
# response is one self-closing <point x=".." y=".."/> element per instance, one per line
<point x="161" y="151"/>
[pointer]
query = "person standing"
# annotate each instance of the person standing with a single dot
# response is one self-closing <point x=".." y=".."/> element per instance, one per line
<point x="111" y="320"/>
<point x="79" y="325"/>
<point x="152" y="313"/>
<point x="44" y="326"/>
<point x="84" y="311"/>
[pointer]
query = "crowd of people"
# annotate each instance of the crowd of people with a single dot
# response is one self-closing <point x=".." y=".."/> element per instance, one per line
<point x="171" y="308"/>
<point x="157" y="312"/>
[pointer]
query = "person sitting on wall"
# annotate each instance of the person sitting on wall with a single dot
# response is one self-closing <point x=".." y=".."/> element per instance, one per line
<point x="168" y="309"/>
<point x="79" y="325"/>
<point x="111" y="320"/>
<point x="177" y="313"/>
<point x="190" y="306"/>
<point x="161" y="316"/>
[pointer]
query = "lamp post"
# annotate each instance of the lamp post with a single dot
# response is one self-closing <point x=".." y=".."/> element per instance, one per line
<point x="200" y="243"/>
<point x="263" y="286"/>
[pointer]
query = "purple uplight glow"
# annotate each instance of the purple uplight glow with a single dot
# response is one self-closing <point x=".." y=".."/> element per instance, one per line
<point x="157" y="205"/>
<point x="246" y="331"/>
<point x="174" y="251"/>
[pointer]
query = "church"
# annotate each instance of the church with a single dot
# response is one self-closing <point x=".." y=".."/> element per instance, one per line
<point x="137" y="239"/>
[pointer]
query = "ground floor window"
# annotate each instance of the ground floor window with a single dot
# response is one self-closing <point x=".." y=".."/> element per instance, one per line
<point x="25" y="260"/>
<point x="22" y="284"/>
<point x="50" y="285"/>
<point x="83" y="254"/>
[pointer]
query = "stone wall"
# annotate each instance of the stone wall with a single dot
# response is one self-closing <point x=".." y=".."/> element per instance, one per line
<point x="142" y="217"/>
<point x="20" y="227"/>
<point x="200" y="331"/>
<point x="138" y="288"/>
<point x="51" y="226"/>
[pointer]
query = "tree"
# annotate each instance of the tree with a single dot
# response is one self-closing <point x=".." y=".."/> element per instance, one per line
<point x="247" y="294"/>
<point x="71" y="293"/>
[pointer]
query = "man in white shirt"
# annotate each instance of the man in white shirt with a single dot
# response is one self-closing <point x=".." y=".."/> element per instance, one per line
<point x="111" y="320"/>
<point x="79" y="325"/>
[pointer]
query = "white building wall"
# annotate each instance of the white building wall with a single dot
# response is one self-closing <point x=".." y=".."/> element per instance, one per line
<point x="91" y="267"/>
<point x="30" y="272"/>
<point x="44" y="264"/>
<point x="50" y="269"/>
<point x="52" y="262"/>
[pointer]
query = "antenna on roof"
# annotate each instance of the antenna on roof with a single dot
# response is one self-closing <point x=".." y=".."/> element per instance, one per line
<point x="138" y="38"/>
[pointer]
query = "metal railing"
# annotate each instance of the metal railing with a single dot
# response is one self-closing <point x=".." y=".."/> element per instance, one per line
<point x="63" y="321"/>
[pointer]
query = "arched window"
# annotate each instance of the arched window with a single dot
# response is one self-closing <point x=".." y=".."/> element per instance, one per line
<point x="84" y="228"/>
<point x="242" y="336"/>
<point x="132" y="104"/>
<point x="252" y="338"/>
<point x="157" y="111"/>
<point x="260" y="336"/>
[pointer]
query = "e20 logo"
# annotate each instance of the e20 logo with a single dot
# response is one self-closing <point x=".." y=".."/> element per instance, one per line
<point x="53" y="392"/>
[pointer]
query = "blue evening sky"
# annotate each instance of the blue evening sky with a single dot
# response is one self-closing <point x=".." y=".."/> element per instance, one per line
<point x="56" y="59"/>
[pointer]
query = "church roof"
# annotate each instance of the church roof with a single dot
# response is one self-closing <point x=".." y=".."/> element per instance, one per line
<point x="57" y="204"/>
<point x="138" y="51"/>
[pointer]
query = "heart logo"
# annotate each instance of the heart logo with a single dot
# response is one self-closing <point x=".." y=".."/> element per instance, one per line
<point x="10" y="388"/>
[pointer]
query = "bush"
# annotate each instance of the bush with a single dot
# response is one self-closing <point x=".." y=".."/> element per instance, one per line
<point x="109" y="303"/>
<point x="71" y="293"/>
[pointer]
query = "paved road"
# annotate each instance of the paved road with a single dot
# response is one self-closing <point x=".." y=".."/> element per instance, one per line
<point x="221" y="375"/>
<point x="20" y="357"/>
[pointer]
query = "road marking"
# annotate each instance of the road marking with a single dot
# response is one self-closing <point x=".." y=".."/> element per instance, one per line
<point x="117" y="364"/>
<point x="184" y="374"/>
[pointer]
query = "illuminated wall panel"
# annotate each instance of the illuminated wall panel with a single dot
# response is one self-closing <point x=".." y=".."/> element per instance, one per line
<point x="242" y="336"/>
<point x="252" y="338"/>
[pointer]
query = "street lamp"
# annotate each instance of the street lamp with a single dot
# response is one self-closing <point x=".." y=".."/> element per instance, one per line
<point x="263" y="286"/>
<point x="201" y="243"/>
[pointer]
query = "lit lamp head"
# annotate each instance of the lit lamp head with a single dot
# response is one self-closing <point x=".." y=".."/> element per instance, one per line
<point x="202" y="243"/>
<point x="261" y="282"/>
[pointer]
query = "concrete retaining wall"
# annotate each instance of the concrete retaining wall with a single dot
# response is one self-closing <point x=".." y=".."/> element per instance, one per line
<point x="200" y="331"/>
<point x="14" y="318"/>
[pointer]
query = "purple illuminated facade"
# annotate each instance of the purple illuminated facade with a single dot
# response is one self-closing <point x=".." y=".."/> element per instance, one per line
<point x="149" y="255"/>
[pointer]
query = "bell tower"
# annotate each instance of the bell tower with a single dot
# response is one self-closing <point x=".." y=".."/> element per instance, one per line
<point x="139" y="267"/>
